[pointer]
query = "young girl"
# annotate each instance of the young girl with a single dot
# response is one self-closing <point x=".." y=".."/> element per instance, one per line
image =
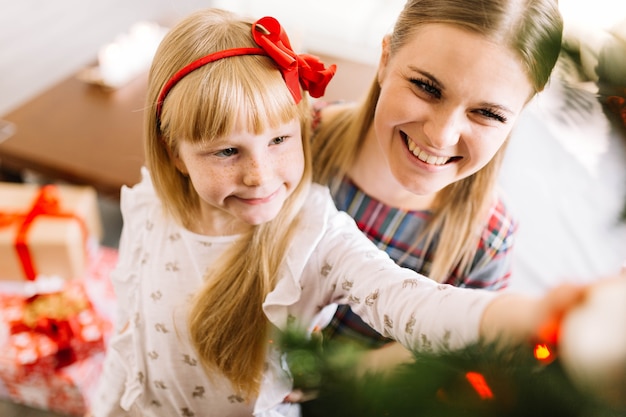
<point x="416" y="163"/>
<point x="226" y="237"/>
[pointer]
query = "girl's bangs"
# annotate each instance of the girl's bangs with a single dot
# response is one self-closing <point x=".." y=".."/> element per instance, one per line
<point x="228" y="95"/>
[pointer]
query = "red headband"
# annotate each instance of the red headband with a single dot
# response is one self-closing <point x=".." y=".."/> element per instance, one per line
<point x="305" y="71"/>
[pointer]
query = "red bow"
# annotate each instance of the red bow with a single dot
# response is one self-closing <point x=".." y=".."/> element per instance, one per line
<point x="298" y="70"/>
<point x="47" y="203"/>
<point x="306" y="71"/>
<point x="618" y="105"/>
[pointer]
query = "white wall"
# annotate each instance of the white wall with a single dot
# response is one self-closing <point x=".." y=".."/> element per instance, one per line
<point x="44" y="41"/>
<point x="350" y="29"/>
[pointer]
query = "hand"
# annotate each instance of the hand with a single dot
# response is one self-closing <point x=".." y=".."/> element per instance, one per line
<point x="384" y="359"/>
<point x="512" y="319"/>
<point x="299" y="396"/>
<point x="592" y="342"/>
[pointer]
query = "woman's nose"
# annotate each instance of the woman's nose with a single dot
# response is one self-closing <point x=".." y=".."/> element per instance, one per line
<point x="443" y="129"/>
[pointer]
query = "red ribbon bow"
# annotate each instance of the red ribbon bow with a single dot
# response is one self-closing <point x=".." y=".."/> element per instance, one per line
<point x="297" y="70"/>
<point x="59" y="331"/>
<point x="47" y="203"/>
<point x="618" y="105"/>
<point x="306" y="71"/>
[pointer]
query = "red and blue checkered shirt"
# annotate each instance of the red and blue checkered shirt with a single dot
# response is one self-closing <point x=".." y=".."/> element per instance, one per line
<point x="394" y="231"/>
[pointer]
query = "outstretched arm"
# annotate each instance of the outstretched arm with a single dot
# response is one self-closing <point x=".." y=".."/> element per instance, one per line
<point x="515" y="318"/>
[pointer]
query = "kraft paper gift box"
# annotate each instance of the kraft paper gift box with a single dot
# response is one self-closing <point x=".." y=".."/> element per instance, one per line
<point x="47" y="230"/>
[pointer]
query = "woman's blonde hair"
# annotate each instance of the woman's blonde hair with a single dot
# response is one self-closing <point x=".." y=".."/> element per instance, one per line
<point x="530" y="28"/>
<point x="227" y="325"/>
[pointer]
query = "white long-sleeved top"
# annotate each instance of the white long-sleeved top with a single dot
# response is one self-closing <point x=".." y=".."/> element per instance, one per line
<point x="151" y="367"/>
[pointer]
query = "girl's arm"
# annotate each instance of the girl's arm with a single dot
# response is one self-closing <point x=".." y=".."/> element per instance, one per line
<point x="516" y="318"/>
<point x="508" y="319"/>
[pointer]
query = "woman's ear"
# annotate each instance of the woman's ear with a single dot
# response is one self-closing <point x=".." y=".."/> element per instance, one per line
<point x="384" y="58"/>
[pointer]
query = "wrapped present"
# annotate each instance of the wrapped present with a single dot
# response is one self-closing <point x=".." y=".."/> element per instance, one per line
<point x="46" y="230"/>
<point x="98" y="285"/>
<point x="31" y="374"/>
<point x="66" y="391"/>
<point x="45" y="332"/>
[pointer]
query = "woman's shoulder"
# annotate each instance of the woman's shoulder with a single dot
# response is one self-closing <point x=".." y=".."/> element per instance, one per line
<point x="501" y="216"/>
<point x="501" y="227"/>
<point x="325" y="112"/>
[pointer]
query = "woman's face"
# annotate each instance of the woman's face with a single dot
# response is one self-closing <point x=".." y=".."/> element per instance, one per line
<point x="449" y="99"/>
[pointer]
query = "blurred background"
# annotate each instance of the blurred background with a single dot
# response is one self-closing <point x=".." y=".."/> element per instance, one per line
<point x="564" y="174"/>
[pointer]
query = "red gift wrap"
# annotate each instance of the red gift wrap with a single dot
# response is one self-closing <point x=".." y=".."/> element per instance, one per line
<point x="66" y="391"/>
<point x="48" y="331"/>
<point x="52" y="343"/>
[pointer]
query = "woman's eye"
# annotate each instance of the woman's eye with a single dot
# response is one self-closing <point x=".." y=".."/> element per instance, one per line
<point x="495" y="115"/>
<point x="427" y="86"/>
<point x="227" y="152"/>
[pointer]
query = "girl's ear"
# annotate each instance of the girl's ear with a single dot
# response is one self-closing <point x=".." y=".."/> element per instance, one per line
<point x="384" y="59"/>
<point x="174" y="157"/>
<point x="179" y="163"/>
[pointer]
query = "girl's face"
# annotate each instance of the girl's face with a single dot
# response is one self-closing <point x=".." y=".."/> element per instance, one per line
<point x="243" y="179"/>
<point x="449" y="99"/>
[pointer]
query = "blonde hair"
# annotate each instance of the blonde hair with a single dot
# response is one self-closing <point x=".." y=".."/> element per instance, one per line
<point x="227" y="325"/>
<point x="530" y="28"/>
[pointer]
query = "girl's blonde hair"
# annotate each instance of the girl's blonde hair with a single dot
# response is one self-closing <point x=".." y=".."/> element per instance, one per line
<point x="530" y="28"/>
<point x="227" y="325"/>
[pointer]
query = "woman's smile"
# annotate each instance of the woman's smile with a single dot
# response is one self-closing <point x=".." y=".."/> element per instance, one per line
<point x="424" y="156"/>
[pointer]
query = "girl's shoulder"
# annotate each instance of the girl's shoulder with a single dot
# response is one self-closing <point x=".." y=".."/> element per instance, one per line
<point x="319" y="203"/>
<point x="139" y="195"/>
<point x="140" y="206"/>
<point x="319" y="216"/>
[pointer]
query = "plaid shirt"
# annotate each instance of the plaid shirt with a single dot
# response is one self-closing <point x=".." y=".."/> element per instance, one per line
<point x="394" y="230"/>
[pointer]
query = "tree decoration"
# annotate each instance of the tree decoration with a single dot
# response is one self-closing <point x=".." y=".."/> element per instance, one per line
<point x="592" y="343"/>
<point x="478" y="381"/>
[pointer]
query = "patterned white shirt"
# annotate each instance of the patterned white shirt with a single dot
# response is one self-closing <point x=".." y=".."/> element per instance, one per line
<point x="151" y="367"/>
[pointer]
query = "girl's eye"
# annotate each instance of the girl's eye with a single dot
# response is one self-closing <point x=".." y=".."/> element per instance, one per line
<point x="278" y="140"/>
<point x="226" y="152"/>
<point x="493" y="114"/>
<point x="427" y="86"/>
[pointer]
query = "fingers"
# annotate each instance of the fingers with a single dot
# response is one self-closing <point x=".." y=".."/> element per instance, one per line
<point x="299" y="396"/>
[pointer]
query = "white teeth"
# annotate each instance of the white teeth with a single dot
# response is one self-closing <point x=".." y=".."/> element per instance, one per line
<point x="423" y="156"/>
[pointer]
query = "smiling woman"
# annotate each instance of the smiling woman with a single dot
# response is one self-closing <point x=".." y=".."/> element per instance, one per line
<point x="416" y="162"/>
<point x="455" y="127"/>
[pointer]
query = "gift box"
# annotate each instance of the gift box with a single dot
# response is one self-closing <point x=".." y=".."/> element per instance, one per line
<point x="66" y="391"/>
<point x="47" y="230"/>
<point x="51" y="382"/>
<point x="42" y="333"/>
<point x="98" y="285"/>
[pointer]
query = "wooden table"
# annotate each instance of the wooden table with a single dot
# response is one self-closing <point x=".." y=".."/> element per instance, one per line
<point x="80" y="133"/>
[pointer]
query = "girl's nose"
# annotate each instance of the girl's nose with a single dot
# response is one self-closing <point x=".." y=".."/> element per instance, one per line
<point x="443" y="129"/>
<point x="256" y="171"/>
